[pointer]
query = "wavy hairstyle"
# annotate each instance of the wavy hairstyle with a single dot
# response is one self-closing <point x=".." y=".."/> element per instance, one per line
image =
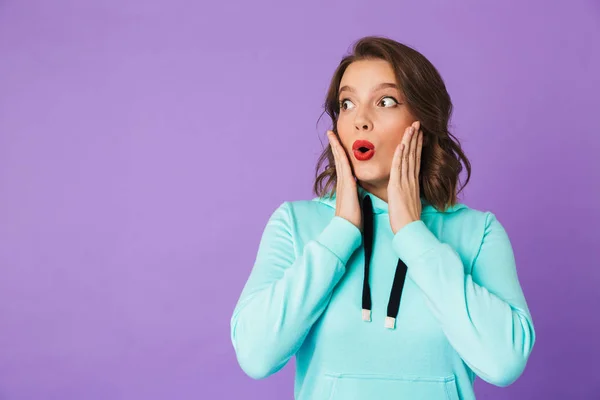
<point x="427" y="99"/>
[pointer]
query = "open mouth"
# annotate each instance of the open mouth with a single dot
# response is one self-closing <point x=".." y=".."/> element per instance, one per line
<point x="363" y="153"/>
<point x="363" y="150"/>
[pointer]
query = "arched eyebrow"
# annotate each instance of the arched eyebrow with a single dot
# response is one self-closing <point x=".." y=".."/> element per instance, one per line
<point x="384" y="85"/>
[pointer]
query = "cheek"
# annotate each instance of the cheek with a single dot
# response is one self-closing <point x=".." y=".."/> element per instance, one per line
<point x="392" y="139"/>
<point x="344" y="137"/>
<point x="397" y="125"/>
<point x="387" y="154"/>
<point x="388" y="157"/>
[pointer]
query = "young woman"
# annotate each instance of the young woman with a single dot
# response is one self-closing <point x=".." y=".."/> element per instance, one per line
<point x="388" y="288"/>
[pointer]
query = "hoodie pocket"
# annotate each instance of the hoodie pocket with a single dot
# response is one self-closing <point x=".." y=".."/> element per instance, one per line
<point x="391" y="387"/>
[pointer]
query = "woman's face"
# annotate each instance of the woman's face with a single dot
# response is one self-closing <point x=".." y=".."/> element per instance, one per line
<point x="372" y="108"/>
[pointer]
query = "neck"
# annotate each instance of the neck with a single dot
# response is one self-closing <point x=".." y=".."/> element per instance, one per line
<point x="378" y="189"/>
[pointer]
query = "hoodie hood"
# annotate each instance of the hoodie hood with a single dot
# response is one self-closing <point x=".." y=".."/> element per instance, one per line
<point x="381" y="207"/>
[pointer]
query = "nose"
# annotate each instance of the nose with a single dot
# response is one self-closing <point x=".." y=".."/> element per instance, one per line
<point x="362" y="123"/>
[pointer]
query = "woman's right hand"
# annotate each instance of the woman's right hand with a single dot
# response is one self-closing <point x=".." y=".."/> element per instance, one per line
<point x="346" y="203"/>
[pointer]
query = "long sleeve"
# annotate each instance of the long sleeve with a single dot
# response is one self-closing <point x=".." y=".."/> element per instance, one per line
<point x="287" y="292"/>
<point x="483" y="314"/>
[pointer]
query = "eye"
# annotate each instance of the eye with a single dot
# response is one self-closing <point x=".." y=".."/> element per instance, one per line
<point x="345" y="101"/>
<point x="390" y="98"/>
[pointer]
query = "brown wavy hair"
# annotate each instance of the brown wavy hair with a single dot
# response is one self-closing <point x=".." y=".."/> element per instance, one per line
<point x="427" y="99"/>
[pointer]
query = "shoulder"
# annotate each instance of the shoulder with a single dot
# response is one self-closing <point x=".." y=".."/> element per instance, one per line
<point x="460" y="214"/>
<point x="465" y="227"/>
<point x="480" y="218"/>
<point x="300" y="209"/>
<point x="302" y="220"/>
<point x="301" y="212"/>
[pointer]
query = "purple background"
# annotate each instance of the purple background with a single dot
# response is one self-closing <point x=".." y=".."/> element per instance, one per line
<point x="144" y="144"/>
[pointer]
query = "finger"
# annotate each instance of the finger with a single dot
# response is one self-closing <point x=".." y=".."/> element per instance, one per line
<point x="410" y="171"/>
<point x="418" y="156"/>
<point x="411" y="154"/>
<point x="395" y="169"/>
<point x="340" y="159"/>
<point x="343" y="160"/>
<point x="405" y="152"/>
<point x="331" y="138"/>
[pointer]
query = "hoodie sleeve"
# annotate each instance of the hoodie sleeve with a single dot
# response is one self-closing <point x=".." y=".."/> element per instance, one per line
<point x="287" y="292"/>
<point x="483" y="314"/>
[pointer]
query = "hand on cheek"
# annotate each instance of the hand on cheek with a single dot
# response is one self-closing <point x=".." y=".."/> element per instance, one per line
<point x="404" y="202"/>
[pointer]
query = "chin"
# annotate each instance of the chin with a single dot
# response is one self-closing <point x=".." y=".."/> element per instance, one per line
<point x="369" y="175"/>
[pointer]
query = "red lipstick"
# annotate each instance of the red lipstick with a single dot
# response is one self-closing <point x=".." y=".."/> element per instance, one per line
<point x="363" y="150"/>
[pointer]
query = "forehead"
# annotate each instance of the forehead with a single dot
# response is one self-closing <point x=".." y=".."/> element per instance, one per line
<point x="366" y="74"/>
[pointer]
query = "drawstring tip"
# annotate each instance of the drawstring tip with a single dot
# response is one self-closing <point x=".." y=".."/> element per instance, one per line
<point x="390" y="322"/>
<point x="366" y="315"/>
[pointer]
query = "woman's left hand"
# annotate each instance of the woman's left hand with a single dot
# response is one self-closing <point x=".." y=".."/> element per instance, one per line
<point x="404" y="201"/>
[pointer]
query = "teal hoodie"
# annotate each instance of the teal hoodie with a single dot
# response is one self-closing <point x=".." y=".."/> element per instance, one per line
<point x="373" y="315"/>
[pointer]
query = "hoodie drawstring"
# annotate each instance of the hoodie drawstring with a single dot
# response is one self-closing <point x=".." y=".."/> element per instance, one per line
<point x="399" y="276"/>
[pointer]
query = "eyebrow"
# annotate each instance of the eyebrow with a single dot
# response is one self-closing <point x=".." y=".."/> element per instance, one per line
<point x="378" y="87"/>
